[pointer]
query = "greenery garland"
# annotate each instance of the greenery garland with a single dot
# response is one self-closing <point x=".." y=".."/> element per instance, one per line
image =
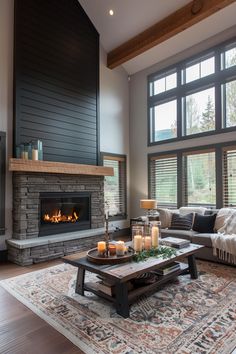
<point x="163" y="251"/>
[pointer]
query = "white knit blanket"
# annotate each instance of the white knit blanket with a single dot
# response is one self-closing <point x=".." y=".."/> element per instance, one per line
<point x="224" y="247"/>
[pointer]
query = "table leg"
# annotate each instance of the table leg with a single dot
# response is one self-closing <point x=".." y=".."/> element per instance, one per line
<point x="79" y="286"/>
<point x="192" y="266"/>
<point x="122" y="304"/>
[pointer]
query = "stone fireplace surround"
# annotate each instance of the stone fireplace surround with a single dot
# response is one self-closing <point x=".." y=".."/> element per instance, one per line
<point x="26" y="247"/>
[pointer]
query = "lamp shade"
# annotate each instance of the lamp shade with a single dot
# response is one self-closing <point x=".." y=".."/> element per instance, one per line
<point x="148" y="204"/>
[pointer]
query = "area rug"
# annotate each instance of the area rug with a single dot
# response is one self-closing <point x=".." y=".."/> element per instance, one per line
<point x="186" y="316"/>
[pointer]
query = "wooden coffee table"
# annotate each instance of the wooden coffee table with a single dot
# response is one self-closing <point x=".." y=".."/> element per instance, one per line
<point x="121" y="274"/>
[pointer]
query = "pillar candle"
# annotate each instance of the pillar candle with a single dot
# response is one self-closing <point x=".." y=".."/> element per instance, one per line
<point x="155" y="236"/>
<point x="120" y="248"/>
<point x="101" y="247"/>
<point x="35" y="154"/>
<point x="147" y="243"/>
<point x="138" y="243"/>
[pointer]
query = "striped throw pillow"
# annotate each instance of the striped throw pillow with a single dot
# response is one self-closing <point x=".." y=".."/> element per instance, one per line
<point x="182" y="222"/>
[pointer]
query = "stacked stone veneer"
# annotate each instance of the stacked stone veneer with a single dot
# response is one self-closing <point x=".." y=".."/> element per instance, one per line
<point x="26" y="190"/>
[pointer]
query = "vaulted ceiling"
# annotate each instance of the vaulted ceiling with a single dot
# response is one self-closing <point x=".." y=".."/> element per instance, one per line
<point x="132" y="17"/>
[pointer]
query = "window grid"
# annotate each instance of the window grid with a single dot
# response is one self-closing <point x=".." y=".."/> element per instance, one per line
<point x="216" y="79"/>
<point x="221" y="182"/>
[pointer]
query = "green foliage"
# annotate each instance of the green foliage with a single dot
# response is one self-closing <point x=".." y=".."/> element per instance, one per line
<point x="163" y="251"/>
<point x="208" y="116"/>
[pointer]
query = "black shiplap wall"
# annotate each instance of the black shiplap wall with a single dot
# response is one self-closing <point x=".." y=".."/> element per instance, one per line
<point x="56" y="62"/>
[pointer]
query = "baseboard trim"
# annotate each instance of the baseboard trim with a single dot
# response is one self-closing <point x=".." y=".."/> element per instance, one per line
<point x="3" y="256"/>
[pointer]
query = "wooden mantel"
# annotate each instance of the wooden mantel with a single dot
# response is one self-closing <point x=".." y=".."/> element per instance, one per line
<point x="21" y="165"/>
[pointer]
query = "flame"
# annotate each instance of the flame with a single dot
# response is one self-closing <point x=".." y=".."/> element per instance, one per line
<point x="58" y="217"/>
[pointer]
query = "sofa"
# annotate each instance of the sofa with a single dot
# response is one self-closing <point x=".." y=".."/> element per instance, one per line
<point x="219" y="218"/>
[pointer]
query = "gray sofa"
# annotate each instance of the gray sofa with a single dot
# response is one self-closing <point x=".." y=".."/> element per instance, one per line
<point x="198" y="238"/>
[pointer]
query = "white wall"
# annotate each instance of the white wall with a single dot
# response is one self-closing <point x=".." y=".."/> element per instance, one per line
<point x="138" y="123"/>
<point x="114" y="115"/>
<point x="6" y="98"/>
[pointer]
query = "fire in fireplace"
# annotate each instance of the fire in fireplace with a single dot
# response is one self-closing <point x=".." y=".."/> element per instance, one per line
<point x="58" y="217"/>
<point x="64" y="212"/>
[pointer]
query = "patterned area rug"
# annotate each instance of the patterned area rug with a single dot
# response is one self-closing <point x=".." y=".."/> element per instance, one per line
<point x="186" y="316"/>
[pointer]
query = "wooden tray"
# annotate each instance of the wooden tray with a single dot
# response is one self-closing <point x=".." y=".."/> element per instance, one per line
<point x="92" y="256"/>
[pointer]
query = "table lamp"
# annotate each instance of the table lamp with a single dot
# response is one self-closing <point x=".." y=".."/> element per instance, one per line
<point x="149" y="205"/>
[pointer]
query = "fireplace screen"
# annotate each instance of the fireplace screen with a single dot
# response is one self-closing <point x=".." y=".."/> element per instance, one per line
<point x="64" y="212"/>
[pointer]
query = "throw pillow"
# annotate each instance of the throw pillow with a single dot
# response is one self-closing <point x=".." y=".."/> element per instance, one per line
<point x="204" y="223"/>
<point x="165" y="216"/>
<point x="187" y="210"/>
<point x="181" y="222"/>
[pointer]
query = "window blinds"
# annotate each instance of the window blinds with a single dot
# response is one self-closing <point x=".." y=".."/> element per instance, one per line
<point x="199" y="182"/>
<point x="163" y="180"/>
<point x="115" y="186"/>
<point x="229" y="177"/>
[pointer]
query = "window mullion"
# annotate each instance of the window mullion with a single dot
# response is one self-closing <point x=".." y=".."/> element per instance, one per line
<point x="179" y="104"/>
<point x="219" y="177"/>
<point x="218" y="98"/>
<point x="180" y="179"/>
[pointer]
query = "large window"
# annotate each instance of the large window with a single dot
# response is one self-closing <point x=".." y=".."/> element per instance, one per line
<point x="2" y="181"/>
<point x="194" y="177"/>
<point x="115" y="186"/>
<point x="195" y="97"/>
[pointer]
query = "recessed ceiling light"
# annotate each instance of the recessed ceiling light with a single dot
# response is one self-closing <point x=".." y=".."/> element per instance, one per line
<point x="111" y="12"/>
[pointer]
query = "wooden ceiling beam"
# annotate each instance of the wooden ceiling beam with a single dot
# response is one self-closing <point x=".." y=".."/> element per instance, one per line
<point x="180" y="20"/>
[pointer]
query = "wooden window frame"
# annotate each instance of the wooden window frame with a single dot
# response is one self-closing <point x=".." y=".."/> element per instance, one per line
<point x="216" y="80"/>
<point x="180" y="153"/>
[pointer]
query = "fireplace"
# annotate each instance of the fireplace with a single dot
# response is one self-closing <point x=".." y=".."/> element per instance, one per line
<point x="64" y="212"/>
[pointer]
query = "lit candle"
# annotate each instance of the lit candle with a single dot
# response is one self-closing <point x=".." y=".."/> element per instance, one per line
<point x="155" y="236"/>
<point x="35" y="155"/>
<point x="112" y="250"/>
<point x="147" y="242"/>
<point x="138" y="243"/>
<point x="101" y="247"/>
<point x="120" y="248"/>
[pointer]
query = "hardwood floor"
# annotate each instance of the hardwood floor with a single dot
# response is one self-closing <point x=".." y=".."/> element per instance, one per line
<point x="23" y="332"/>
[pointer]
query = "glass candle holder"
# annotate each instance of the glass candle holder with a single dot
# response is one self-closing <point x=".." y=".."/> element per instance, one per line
<point x="25" y="155"/>
<point x="22" y="151"/>
<point x="155" y="233"/>
<point x="112" y="249"/>
<point x="137" y="238"/>
<point x="30" y="151"/>
<point x="40" y="150"/>
<point x="18" y="151"/>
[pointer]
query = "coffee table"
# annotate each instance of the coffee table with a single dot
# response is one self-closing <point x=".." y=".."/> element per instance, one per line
<point x="121" y="274"/>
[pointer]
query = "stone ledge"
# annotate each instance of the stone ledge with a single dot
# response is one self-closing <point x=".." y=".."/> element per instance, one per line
<point x="46" y="240"/>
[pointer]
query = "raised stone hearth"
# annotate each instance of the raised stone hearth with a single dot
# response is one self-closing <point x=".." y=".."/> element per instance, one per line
<point x="27" y="187"/>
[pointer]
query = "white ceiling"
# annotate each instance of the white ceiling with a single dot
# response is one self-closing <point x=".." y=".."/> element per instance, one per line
<point x="133" y="16"/>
